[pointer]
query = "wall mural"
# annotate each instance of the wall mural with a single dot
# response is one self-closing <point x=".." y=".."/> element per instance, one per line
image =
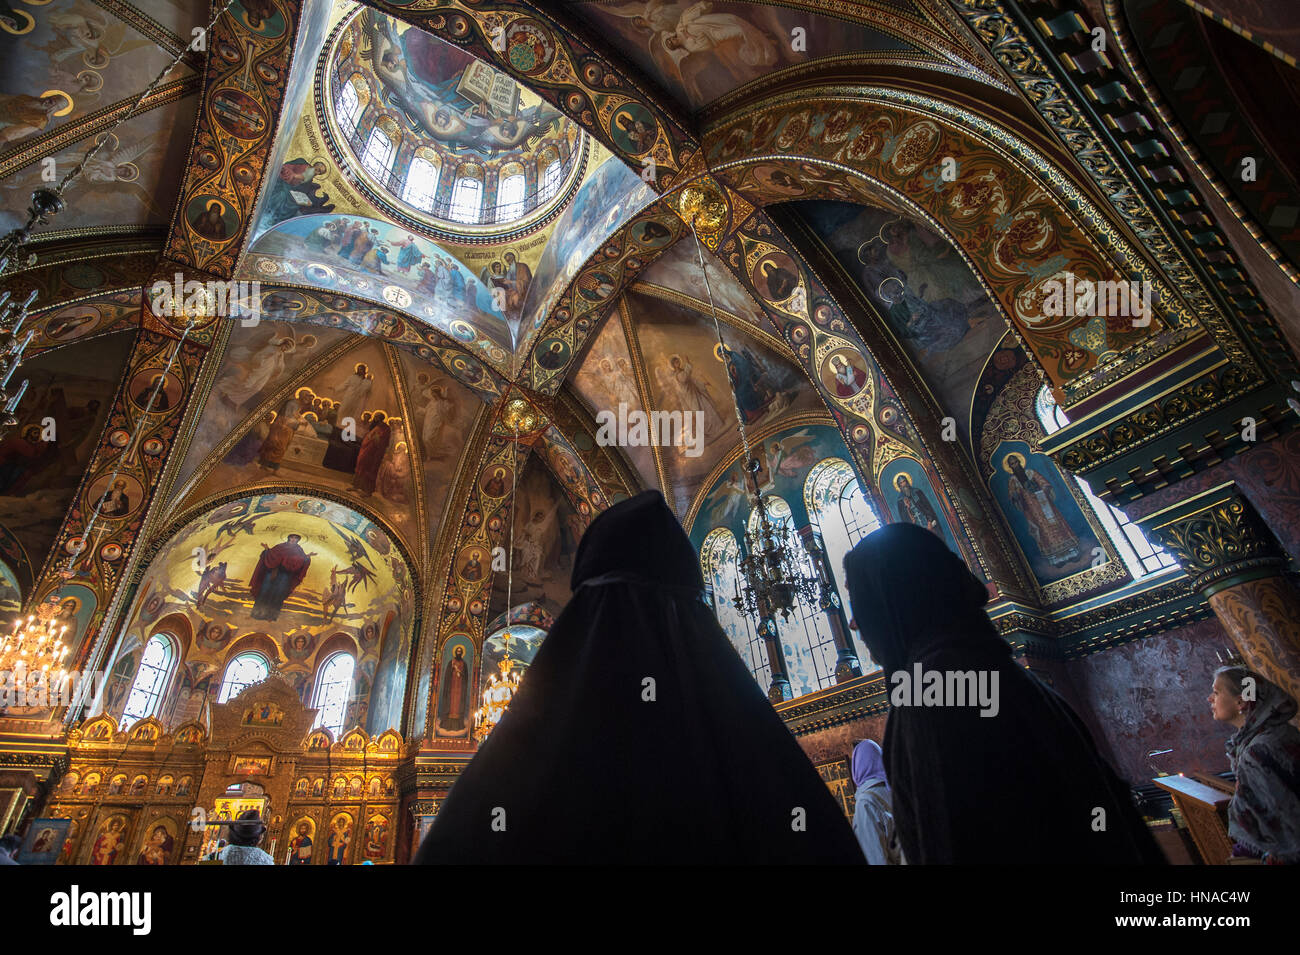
<point x="255" y="364"/>
<point x="100" y="316"/>
<point x="1037" y="238"/>
<point x="88" y="59"/>
<point x="684" y="368"/>
<point x="373" y="258"/>
<point x="547" y="531"/>
<point x="303" y="437"/>
<point x="606" y="380"/>
<point x="922" y="288"/>
<point x="244" y="92"/>
<point x="609" y="196"/>
<point x="38" y="478"/>
<point x="910" y="496"/>
<point x="1047" y="521"/>
<point x="1050" y="519"/>
<point x="132" y="181"/>
<point x="702" y="51"/>
<point x="296" y="577"/>
<point x="678" y="270"/>
<point x="787" y="457"/>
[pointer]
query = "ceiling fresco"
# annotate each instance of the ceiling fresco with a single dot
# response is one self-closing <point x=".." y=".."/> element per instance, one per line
<point x="80" y="59"/>
<point x="702" y="52"/>
<point x="292" y="576"/>
<point x="301" y="436"/>
<point x="74" y="385"/>
<point x="921" y="287"/>
<point x="364" y="417"/>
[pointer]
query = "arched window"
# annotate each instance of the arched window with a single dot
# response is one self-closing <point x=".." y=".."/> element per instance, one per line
<point x="156" y="665"/>
<point x="466" y="200"/>
<point x="333" y="690"/>
<point x="718" y="557"/>
<point x="244" y="670"/>
<point x="510" y="197"/>
<point x="806" y="639"/>
<point x="840" y="512"/>
<point x="350" y="105"/>
<point x="421" y="184"/>
<point x="377" y="157"/>
<point x="1139" y="554"/>
<point x="550" y="181"/>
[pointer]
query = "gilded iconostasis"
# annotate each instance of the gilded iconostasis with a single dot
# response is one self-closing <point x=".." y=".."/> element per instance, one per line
<point x="477" y="244"/>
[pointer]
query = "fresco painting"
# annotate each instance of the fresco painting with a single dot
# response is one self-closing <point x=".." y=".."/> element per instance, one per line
<point x="921" y="287"/>
<point x="703" y="51"/>
<point x="910" y="496"/>
<point x="305" y="437"/>
<point x="1047" y="521"/>
<point x="38" y="478"/>
<point x="294" y="576"/>
<point x="686" y="373"/>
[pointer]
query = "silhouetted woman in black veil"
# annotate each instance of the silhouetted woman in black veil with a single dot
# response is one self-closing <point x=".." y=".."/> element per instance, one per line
<point x="1026" y="785"/>
<point x="637" y="734"/>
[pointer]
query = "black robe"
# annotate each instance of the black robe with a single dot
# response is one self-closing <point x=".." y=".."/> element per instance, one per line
<point x="1022" y="786"/>
<point x="588" y="768"/>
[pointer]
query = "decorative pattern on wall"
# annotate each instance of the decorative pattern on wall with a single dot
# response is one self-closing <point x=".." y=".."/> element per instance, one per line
<point x="100" y="529"/>
<point x="250" y="51"/>
<point x="1017" y="234"/>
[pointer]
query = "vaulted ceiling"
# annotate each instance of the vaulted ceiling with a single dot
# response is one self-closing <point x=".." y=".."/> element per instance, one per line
<point x="886" y="186"/>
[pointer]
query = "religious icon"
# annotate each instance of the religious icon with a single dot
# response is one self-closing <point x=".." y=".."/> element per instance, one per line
<point x="301" y="846"/>
<point x="115" y="502"/>
<point x="209" y="219"/>
<point x="377" y="837"/>
<point x="494" y="485"/>
<point x="552" y="354"/>
<point x="472" y="570"/>
<point x="914" y="506"/>
<point x="109" y="842"/>
<point x="280" y="569"/>
<point x="340" y="838"/>
<point x="453" y="702"/>
<point x="157" y="850"/>
<point x="847" y="378"/>
<point x="1034" y="496"/>
<point x="776" y="277"/>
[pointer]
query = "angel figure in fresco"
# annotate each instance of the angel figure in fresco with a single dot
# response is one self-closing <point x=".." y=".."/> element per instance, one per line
<point x="533" y="538"/>
<point x="436" y="415"/>
<point x="211" y="581"/>
<point x="729" y="498"/>
<point x="22" y="115"/>
<point x="686" y="40"/>
<point x="335" y="598"/>
<point x="792" y="455"/>
<point x="1034" y="497"/>
<point x="255" y="365"/>
<point x="116" y="168"/>
<point x="683" y="389"/>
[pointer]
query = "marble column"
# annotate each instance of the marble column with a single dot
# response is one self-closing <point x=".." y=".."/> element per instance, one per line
<point x="1235" y="561"/>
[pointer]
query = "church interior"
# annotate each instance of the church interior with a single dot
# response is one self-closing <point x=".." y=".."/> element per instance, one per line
<point x="331" y="325"/>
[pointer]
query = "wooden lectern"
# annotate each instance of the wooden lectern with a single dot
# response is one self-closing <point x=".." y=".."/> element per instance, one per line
<point x="1205" y="808"/>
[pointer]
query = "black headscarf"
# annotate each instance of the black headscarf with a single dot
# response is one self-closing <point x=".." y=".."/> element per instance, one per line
<point x="588" y="770"/>
<point x="1021" y="786"/>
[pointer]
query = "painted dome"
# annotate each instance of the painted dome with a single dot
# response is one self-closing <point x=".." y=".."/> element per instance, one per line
<point x="439" y="138"/>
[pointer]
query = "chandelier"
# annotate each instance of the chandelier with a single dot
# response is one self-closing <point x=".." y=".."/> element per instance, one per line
<point x="36" y="643"/>
<point x="772" y="577"/>
<point x="501" y="689"/>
